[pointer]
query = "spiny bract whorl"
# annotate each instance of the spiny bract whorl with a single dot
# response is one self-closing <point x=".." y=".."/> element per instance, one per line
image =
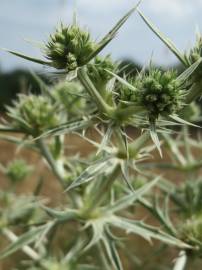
<point x="158" y="92"/>
<point x="68" y="47"/>
<point x="33" y="114"/>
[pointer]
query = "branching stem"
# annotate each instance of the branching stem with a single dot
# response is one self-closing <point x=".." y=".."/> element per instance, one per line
<point x="92" y="91"/>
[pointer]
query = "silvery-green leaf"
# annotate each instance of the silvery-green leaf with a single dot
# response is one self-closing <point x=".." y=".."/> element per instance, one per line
<point x="25" y="239"/>
<point x="165" y="40"/>
<point x="125" y="173"/>
<point x="123" y="81"/>
<point x="29" y="58"/>
<point x="182" y="121"/>
<point x="93" y="171"/>
<point x="131" y="198"/>
<point x="5" y="128"/>
<point x="189" y="71"/>
<point x="105" y="140"/>
<point x="68" y="127"/>
<point x="43" y="235"/>
<point x="103" y="43"/>
<point x="112" y="253"/>
<point x="155" y="138"/>
<point x="146" y="231"/>
<point x="61" y="215"/>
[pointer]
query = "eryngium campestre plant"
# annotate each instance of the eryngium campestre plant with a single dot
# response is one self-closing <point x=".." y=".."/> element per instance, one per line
<point x="158" y="93"/>
<point x="68" y="47"/>
<point x="97" y="203"/>
<point x="33" y="114"/>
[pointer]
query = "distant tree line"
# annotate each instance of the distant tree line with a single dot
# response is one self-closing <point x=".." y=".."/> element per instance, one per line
<point x="19" y="80"/>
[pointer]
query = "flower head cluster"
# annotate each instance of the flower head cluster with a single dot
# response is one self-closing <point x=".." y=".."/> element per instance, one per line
<point x="33" y="114"/>
<point x="158" y="92"/>
<point x="68" y="47"/>
<point x="17" y="170"/>
<point x="97" y="70"/>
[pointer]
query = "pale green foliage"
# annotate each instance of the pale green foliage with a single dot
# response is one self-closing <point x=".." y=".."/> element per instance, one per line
<point x="111" y="191"/>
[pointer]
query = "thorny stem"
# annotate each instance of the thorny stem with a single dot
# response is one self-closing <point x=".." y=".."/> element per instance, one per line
<point x="86" y="82"/>
<point x="181" y="261"/>
<point x="49" y="158"/>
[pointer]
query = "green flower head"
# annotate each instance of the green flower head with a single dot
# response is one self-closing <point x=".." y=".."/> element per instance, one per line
<point x="18" y="170"/>
<point x="33" y="114"/>
<point x="68" y="47"/>
<point x="191" y="232"/>
<point x="158" y="92"/>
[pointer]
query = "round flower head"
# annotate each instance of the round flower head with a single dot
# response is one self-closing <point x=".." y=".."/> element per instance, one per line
<point x="68" y="47"/>
<point x="17" y="170"/>
<point x="158" y="92"/>
<point x="33" y="114"/>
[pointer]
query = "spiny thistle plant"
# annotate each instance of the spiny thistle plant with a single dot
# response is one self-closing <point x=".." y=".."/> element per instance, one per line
<point x="118" y="189"/>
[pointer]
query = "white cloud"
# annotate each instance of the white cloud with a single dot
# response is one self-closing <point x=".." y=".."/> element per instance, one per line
<point x="173" y="8"/>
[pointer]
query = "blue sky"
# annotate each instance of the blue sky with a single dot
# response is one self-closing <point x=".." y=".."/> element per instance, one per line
<point x="35" y="19"/>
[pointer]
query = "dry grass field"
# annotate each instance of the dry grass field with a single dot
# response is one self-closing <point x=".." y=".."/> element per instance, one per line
<point x="52" y="191"/>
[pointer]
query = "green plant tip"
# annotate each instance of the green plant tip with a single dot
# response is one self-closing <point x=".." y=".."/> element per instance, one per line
<point x="68" y="47"/>
<point x="158" y="92"/>
<point x="18" y="170"/>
